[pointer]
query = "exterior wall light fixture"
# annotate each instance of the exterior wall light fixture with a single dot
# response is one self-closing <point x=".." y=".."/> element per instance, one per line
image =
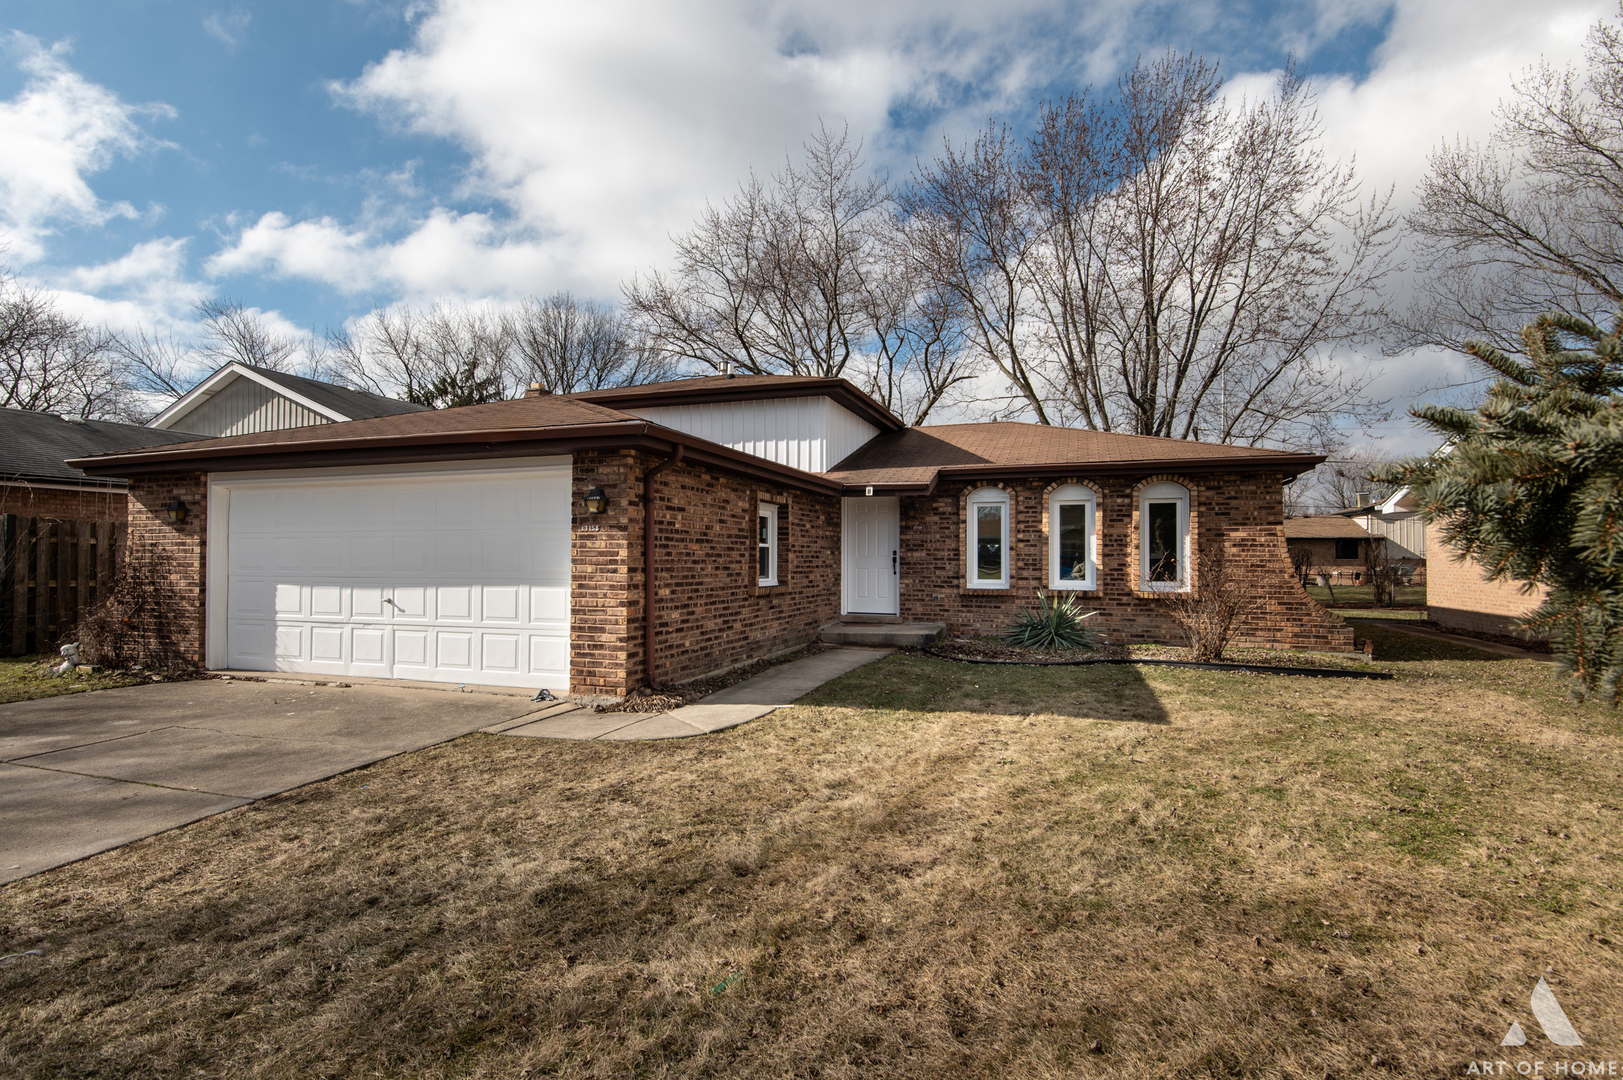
<point x="596" y="501"/>
<point x="176" y="511"/>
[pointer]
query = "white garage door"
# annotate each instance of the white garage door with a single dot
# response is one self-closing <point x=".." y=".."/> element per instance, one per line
<point x="451" y="575"/>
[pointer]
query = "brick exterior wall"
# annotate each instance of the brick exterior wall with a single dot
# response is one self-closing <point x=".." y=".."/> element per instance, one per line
<point x="61" y="504"/>
<point x="1460" y="597"/>
<point x="710" y="613"/>
<point x="1244" y="512"/>
<point x="606" y="553"/>
<point x="1323" y="553"/>
<point x="173" y="557"/>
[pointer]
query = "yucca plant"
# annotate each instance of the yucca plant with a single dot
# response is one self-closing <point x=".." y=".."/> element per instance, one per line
<point x="1053" y="625"/>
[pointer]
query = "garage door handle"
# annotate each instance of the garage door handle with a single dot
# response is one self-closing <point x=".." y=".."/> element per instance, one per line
<point x="390" y="601"/>
<point x="893" y="562"/>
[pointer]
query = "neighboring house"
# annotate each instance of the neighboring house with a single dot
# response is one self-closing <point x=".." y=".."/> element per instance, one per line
<point x="602" y="541"/>
<point x="1397" y="518"/>
<point x="1335" y="549"/>
<point x="1459" y="595"/>
<point x="60" y="529"/>
<point x="36" y="481"/>
<point x="240" y="399"/>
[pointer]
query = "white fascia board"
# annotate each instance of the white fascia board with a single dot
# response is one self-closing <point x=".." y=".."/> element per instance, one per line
<point x="1397" y="502"/>
<point x="212" y="385"/>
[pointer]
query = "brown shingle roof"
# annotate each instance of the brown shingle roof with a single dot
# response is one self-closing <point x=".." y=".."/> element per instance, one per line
<point x="913" y="459"/>
<point x="915" y="456"/>
<point x="473" y="421"/>
<point x="1323" y="527"/>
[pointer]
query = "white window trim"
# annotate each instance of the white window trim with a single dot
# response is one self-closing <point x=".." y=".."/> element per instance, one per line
<point x="769" y="511"/>
<point x="1163" y="492"/>
<point x="1074" y="495"/>
<point x="987" y="496"/>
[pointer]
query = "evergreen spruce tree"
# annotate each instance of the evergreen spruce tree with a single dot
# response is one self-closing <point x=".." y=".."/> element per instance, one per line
<point x="1530" y="485"/>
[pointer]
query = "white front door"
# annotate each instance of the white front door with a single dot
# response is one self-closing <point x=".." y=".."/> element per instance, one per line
<point x="454" y="574"/>
<point x="872" y="555"/>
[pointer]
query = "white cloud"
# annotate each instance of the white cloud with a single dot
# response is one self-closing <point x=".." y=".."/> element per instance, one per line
<point x="150" y="278"/>
<point x="229" y="28"/>
<point x="59" y="129"/>
<point x="446" y="254"/>
<point x="596" y="131"/>
<point x="601" y="129"/>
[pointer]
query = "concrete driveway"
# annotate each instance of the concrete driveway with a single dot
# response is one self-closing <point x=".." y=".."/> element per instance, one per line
<point x="87" y="772"/>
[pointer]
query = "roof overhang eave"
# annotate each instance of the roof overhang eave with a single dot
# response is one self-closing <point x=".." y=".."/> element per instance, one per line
<point x="1291" y="465"/>
<point x="449" y="446"/>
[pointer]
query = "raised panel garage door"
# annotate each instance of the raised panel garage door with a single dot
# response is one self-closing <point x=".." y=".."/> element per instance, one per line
<point x="457" y="575"/>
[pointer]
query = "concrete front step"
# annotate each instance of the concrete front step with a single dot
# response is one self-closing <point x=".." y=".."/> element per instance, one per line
<point x="873" y="635"/>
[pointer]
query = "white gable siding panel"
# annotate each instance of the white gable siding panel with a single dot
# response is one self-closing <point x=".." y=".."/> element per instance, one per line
<point x="244" y="407"/>
<point x="847" y="432"/>
<point x="810" y="433"/>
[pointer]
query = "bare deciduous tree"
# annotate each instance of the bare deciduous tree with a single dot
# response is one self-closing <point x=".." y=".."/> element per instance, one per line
<point x="969" y="225"/>
<point x="52" y="362"/>
<point x="809" y="273"/>
<point x="1532" y="221"/>
<point x="569" y="345"/>
<point x="234" y="332"/>
<point x="442" y="357"/>
<point x="1163" y="261"/>
<point x="1348" y="479"/>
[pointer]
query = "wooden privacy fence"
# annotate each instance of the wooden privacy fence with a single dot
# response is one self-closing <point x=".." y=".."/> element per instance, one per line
<point x="51" y="573"/>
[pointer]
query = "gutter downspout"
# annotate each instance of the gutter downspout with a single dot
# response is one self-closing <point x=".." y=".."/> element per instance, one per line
<point x="648" y="562"/>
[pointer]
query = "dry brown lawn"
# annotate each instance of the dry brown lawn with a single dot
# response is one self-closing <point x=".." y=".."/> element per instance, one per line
<point x="926" y="870"/>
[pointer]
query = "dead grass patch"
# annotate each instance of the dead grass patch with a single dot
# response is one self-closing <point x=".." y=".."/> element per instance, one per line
<point x="24" y="678"/>
<point x="925" y="870"/>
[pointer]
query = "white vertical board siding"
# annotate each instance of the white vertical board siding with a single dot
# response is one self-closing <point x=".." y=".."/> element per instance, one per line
<point x="810" y="433"/>
<point x="1406" y="535"/>
<point x="847" y="432"/>
<point x="244" y="407"/>
<point x="451" y="575"/>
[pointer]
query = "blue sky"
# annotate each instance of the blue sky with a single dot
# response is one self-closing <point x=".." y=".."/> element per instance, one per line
<point x="318" y="160"/>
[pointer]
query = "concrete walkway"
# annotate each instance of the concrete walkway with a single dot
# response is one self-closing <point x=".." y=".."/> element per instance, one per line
<point x="1410" y="627"/>
<point x="727" y="708"/>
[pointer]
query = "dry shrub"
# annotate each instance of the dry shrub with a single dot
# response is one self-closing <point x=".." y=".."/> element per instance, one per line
<point x="139" y="622"/>
<point x="1213" y="609"/>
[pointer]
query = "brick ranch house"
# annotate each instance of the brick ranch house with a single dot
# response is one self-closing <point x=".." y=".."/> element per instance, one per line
<point x="598" y="542"/>
<point x="1331" y="546"/>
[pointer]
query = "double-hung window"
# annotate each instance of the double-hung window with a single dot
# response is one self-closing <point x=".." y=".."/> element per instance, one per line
<point x="988" y="539"/>
<point x="1072" y="547"/>
<point x="766" y="546"/>
<point x="1163" y="538"/>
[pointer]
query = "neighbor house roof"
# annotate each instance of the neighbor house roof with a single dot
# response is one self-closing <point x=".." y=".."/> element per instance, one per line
<point x="34" y="446"/>
<point x="911" y="460"/>
<point x="715" y="388"/>
<point x="1324" y="527"/>
<point x="920" y="457"/>
<point x="336" y="403"/>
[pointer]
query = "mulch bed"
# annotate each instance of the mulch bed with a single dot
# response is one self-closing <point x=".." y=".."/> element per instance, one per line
<point x="992" y="649"/>
<point x="995" y="651"/>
